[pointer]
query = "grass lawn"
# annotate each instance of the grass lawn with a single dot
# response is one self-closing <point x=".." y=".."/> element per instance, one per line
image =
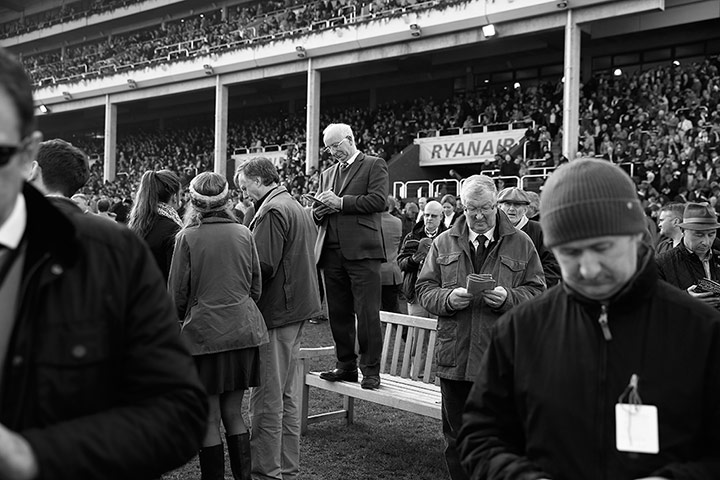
<point x="383" y="443"/>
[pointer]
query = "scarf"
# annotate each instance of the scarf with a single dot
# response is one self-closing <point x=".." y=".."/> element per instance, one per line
<point x="165" y="210"/>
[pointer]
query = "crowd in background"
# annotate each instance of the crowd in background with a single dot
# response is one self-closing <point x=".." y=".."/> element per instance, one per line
<point x="202" y="33"/>
<point x="665" y="122"/>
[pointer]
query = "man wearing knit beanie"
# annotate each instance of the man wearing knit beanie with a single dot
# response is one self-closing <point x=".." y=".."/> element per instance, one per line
<point x="602" y="375"/>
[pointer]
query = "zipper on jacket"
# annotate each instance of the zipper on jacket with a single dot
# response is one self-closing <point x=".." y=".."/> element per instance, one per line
<point x="603" y="321"/>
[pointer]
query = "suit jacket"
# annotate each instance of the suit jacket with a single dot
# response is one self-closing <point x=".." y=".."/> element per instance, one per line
<point x="364" y="195"/>
<point x="392" y="236"/>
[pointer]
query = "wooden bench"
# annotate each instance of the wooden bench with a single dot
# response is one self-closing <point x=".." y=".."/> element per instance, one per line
<point x="405" y="372"/>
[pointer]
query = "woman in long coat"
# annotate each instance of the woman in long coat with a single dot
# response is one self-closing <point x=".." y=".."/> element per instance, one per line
<point x="215" y="282"/>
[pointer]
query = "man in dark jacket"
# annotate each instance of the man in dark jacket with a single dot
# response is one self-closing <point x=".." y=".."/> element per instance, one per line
<point x="613" y="374"/>
<point x="515" y="202"/>
<point x="285" y="236"/>
<point x="694" y="258"/>
<point x="413" y="252"/>
<point x="669" y="219"/>
<point x="95" y="383"/>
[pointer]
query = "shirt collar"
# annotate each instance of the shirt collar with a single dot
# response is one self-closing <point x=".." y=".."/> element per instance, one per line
<point x="11" y="232"/>
<point x="488" y="235"/>
<point x="352" y="159"/>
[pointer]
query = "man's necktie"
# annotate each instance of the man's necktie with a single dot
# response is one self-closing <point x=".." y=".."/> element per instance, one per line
<point x="344" y="165"/>
<point x="479" y="253"/>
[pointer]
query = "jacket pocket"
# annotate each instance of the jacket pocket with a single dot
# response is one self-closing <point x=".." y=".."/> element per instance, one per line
<point x="367" y="222"/>
<point x="511" y="270"/>
<point x="74" y="369"/>
<point x="447" y="343"/>
<point x="449" y="269"/>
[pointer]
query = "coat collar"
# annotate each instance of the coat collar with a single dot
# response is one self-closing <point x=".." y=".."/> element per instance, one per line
<point x="265" y="206"/>
<point x="48" y="231"/>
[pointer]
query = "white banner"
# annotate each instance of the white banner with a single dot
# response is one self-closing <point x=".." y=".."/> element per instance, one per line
<point x="466" y="148"/>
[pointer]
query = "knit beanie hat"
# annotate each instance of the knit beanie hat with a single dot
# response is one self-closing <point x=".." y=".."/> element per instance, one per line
<point x="589" y="198"/>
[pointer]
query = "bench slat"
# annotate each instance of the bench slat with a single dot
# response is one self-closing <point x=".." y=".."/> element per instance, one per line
<point x="390" y="394"/>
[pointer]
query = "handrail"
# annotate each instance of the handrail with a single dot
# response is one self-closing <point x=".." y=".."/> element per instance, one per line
<point x="491" y="127"/>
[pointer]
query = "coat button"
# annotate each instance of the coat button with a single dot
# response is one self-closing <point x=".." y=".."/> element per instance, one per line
<point x="56" y="269"/>
<point x="17" y="361"/>
<point x="79" y="351"/>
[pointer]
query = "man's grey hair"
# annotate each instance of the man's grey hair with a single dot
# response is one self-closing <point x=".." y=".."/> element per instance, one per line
<point x="476" y="185"/>
<point x="342" y="128"/>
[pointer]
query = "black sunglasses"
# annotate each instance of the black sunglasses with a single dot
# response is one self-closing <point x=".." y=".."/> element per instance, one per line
<point x="6" y="153"/>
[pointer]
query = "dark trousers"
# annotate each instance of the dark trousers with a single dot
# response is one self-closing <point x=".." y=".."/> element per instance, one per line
<point x="390" y="298"/>
<point x="353" y="288"/>
<point x="454" y="394"/>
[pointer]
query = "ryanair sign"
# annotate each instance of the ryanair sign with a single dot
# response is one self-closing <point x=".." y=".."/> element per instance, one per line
<point x="466" y="148"/>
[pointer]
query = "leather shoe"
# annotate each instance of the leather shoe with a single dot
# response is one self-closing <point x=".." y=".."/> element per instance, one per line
<point x="340" y="374"/>
<point x="370" y="382"/>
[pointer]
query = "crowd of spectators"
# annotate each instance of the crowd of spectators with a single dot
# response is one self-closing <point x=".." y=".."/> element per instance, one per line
<point x="662" y="125"/>
<point x="202" y="33"/>
<point x="63" y="13"/>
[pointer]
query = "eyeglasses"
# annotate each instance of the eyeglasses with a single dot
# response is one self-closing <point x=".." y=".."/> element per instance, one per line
<point x="7" y="152"/>
<point x="334" y="146"/>
<point x="485" y="210"/>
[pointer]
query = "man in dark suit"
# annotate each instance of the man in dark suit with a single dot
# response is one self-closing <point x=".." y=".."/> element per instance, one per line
<point x="349" y="251"/>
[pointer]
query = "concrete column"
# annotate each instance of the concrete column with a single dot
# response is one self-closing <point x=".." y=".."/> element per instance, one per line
<point x="571" y="90"/>
<point x="312" y="136"/>
<point x="110" y="160"/>
<point x="221" y="127"/>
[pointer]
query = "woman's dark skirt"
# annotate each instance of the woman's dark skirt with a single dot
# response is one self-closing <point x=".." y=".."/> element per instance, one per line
<point x="229" y="371"/>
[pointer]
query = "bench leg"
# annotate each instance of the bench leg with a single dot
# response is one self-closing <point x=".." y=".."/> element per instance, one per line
<point x="304" y="408"/>
<point x="349" y="407"/>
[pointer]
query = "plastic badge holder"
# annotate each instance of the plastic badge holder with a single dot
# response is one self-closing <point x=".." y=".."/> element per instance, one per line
<point x="477" y="282"/>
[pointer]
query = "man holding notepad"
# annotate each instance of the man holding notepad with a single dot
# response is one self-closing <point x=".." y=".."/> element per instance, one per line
<point x="504" y="270"/>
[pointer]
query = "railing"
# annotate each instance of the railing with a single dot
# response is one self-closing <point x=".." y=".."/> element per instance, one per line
<point x="420" y="184"/>
<point x="548" y="144"/>
<point x="493" y="127"/>
<point x="445" y="182"/>
<point x="268" y="148"/>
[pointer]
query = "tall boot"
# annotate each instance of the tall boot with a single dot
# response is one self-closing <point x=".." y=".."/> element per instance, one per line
<point x="212" y="463"/>
<point x="239" y="453"/>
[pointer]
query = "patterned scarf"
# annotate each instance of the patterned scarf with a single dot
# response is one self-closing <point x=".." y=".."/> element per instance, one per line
<point x="165" y="210"/>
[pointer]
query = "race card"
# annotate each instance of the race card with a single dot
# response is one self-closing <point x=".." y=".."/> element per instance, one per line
<point x="317" y="202"/>
<point x="477" y="282"/>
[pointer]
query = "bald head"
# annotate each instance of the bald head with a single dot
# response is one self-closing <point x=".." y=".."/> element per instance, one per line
<point x="432" y="215"/>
